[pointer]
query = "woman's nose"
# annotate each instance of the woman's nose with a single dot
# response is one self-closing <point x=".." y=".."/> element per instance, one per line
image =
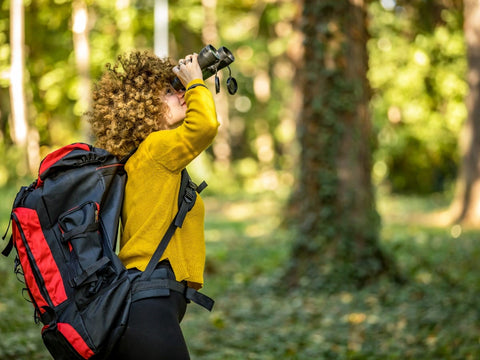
<point x="180" y="94"/>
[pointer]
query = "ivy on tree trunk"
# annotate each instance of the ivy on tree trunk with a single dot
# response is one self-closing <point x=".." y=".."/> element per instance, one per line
<point x="333" y="209"/>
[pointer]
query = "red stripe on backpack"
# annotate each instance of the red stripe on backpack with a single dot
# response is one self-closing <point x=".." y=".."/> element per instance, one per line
<point x="57" y="155"/>
<point x="75" y="340"/>
<point x="34" y="291"/>
<point x="42" y="255"/>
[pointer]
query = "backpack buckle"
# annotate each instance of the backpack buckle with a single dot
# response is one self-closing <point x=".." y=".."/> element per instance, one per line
<point x="190" y="194"/>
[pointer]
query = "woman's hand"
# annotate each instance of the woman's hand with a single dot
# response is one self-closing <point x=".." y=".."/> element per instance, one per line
<point x="188" y="69"/>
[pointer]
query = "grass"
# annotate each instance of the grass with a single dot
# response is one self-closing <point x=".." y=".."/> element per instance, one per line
<point x="435" y="315"/>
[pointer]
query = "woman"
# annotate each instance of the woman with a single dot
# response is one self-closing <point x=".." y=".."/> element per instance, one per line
<point x="134" y="106"/>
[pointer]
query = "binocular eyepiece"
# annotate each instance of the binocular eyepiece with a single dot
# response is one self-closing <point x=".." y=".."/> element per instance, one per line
<point x="211" y="61"/>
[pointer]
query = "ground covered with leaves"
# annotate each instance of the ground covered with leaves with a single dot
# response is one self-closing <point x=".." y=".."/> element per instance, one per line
<point x="434" y="315"/>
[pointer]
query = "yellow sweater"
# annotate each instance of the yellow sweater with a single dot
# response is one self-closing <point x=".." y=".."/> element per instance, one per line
<point x="151" y="193"/>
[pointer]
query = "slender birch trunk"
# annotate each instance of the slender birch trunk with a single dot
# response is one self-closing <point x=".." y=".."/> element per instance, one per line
<point x="22" y="135"/>
<point x="82" y="59"/>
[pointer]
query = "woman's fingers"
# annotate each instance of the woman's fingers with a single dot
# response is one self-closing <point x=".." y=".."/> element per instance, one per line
<point x="188" y="69"/>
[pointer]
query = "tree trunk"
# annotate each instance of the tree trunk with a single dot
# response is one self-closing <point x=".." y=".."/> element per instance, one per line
<point x="82" y="59"/>
<point x="465" y="207"/>
<point x="333" y="210"/>
<point x="25" y="138"/>
<point x="221" y="146"/>
<point x="161" y="28"/>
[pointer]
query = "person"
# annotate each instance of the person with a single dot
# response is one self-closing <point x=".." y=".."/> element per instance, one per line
<point x="135" y="107"/>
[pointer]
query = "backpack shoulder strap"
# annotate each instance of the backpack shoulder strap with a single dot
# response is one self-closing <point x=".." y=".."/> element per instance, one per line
<point x="124" y="159"/>
<point x="186" y="199"/>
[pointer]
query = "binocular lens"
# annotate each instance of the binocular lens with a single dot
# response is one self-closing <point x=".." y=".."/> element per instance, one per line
<point x="208" y="56"/>
<point x="211" y="60"/>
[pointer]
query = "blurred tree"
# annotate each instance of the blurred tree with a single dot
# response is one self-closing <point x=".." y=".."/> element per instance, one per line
<point x="466" y="205"/>
<point x="17" y="93"/>
<point x="22" y="134"/>
<point x="221" y="146"/>
<point x="333" y="209"/>
<point x="160" y="41"/>
<point x="52" y="92"/>
<point x="417" y="73"/>
<point x="80" y="30"/>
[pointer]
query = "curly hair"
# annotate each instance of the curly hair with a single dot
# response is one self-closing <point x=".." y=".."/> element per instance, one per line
<point x="127" y="101"/>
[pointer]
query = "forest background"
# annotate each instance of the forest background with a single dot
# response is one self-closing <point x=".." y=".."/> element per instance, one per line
<point x="417" y="75"/>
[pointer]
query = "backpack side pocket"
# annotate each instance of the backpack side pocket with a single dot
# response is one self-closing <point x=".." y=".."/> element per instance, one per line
<point x="80" y="230"/>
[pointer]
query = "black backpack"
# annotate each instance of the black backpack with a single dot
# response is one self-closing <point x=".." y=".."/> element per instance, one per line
<point x="64" y="230"/>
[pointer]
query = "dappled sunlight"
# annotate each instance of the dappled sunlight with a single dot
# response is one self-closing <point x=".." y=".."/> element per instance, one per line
<point x="240" y="211"/>
<point x="213" y="235"/>
<point x="245" y="209"/>
<point x="257" y="230"/>
<point x="257" y="218"/>
<point x="414" y="210"/>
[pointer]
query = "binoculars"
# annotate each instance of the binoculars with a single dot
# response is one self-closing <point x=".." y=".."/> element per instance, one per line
<point x="211" y="60"/>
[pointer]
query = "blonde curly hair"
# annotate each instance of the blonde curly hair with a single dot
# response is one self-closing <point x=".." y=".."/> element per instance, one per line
<point x="128" y="101"/>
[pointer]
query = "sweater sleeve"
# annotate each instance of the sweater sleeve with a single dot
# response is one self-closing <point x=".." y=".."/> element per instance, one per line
<point x="176" y="148"/>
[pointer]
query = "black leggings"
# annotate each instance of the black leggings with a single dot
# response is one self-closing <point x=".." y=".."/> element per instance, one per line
<point x="153" y="331"/>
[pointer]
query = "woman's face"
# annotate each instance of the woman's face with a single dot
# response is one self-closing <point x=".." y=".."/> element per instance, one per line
<point x="175" y="101"/>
